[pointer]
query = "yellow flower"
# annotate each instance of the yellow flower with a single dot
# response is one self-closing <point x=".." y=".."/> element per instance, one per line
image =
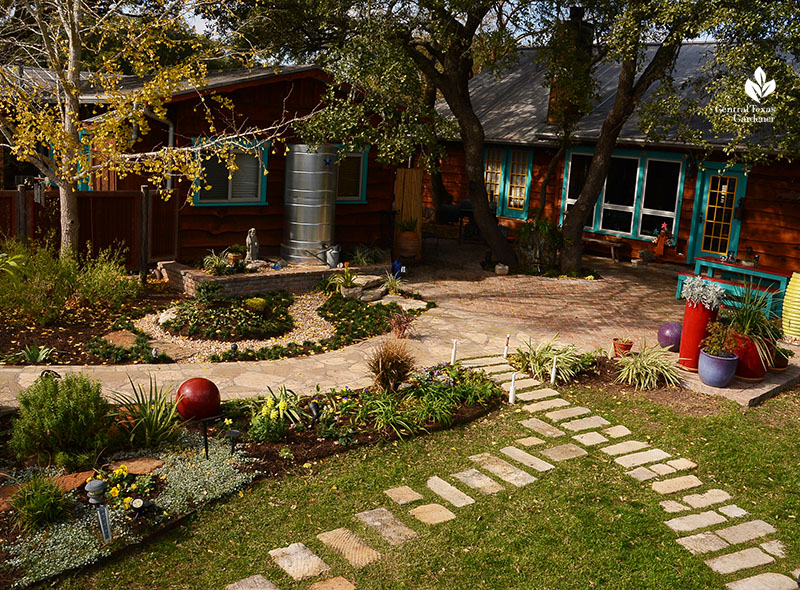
<point x="128" y="500"/>
<point x="274" y="415"/>
<point x="270" y="403"/>
<point x="114" y="492"/>
<point x="228" y="422"/>
<point x="283" y="406"/>
<point x="134" y="486"/>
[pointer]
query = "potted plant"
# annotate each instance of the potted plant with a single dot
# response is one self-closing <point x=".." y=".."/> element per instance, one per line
<point x="717" y="364"/>
<point x="703" y="299"/>
<point x="621" y="346"/>
<point x="408" y="242"/>
<point x="754" y="331"/>
<point x="235" y="253"/>
<point x="347" y="284"/>
<point x="781" y="359"/>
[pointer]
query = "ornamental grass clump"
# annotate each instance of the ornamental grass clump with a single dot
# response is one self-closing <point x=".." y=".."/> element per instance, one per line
<point x="39" y="503"/>
<point x="147" y="418"/>
<point x="538" y="360"/>
<point x="390" y="364"/>
<point x="648" y="369"/>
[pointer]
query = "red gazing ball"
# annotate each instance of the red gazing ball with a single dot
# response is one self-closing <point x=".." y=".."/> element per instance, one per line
<point x="198" y="398"/>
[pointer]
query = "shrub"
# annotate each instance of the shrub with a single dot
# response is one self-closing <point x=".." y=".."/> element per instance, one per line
<point x="215" y="264"/>
<point x="393" y="284"/>
<point x="103" y="281"/>
<point x="648" y="369"/>
<point x="67" y="415"/>
<point x="402" y="324"/>
<point x="256" y="304"/>
<point x="147" y="418"/>
<point x="538" y="360"/>
<point x="390" y="364"/>
<point x="208" y="293"/>
<point x="38" y="503"/>
<point x="386" y="413"/>
<point x="367" y="255"/>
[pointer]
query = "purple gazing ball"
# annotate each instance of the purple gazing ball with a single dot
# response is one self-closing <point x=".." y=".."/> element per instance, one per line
<point x="669" y="336"/>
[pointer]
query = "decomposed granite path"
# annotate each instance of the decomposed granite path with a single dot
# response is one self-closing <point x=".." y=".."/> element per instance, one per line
<point x="706" y="523"/>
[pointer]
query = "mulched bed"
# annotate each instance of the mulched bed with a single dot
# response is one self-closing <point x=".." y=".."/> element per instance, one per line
<point x="77" y="326"/>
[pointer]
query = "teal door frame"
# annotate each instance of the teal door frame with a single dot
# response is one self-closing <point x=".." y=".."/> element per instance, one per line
<point x="707" y="170"/>
<point x="505" y="176"/>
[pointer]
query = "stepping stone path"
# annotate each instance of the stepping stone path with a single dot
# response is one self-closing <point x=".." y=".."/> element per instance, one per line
<point x="564" y="452"/>
<point x="527" y="459"/>
<point x="708" y="499"/>
<point x="641" y="458"/>
<point x="542" y="428"/>
<point x="403" y="495"/>
<point x="768" y="581"/>
<point x="703" y="543"/>
<point x="432" y="513"/>
<point x="534" y="394"/>
<point x="559" y="415"/>
<point x="503" y="470"/>
<point x="684" y="524"/>
<point x="775" y="548"/>
<point x="616" y="431"/>
<point x="478" y="481"/>
<point x="590" y="439"/>
<point x="529" y="441"/>
<point x="585" y="423"/>
<point x="676" y="484"/>
<point x="450" y="493"/>
<point x="547" y="404"/>
<point x="682" y="464"/>
<point x="338" y="583"/>
<point x="350" y="546"/>
<point x="733" y="511"/>
<point x="256" y="582"/>
<point x="521" y="384"/>
<point x="673" y="506"/>
<point x="299" y="562"/>
<point x="744" y="559"/>
<point x="624" y="447"/>
<point x="384" y="522"/>
<point x="642" y="474"/>
<point x="741" y="533"/>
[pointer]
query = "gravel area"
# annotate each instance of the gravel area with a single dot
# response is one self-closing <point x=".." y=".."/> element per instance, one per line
<point x="308" y="326"/>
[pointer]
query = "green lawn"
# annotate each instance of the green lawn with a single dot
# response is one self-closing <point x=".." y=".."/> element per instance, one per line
<point x="582" y="525"/>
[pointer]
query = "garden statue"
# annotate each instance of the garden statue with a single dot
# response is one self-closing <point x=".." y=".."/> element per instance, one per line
<point x="252" y="246"/>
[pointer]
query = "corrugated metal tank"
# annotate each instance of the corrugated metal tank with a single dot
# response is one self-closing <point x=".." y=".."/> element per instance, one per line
<point x="310" y="202"/>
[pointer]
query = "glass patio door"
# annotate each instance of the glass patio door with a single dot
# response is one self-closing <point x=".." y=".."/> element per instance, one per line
<point x="716" y="228"/>
<point x="507" y="180"/>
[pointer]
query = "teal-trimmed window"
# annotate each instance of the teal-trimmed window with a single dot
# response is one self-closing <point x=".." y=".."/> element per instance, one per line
<point x="351" y="177"/>
<point x="643" y="190"/>
<point x="507" y="177"/>
<point x="247" y="185"/>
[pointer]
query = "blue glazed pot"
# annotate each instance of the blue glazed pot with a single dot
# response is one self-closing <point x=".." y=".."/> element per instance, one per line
<point x="716" y="371"/>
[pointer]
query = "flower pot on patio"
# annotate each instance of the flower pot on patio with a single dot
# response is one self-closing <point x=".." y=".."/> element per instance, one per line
<point x="695" y="328"/>
<point x="752" y="362"/>
<point x="622" y="346"/>
<point x="716" y="371"/>
<point x="780" y="361"/>
<point x="408" y="244"/>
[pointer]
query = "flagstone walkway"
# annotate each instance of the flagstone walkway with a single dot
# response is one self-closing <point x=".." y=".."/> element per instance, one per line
<point x="707" y="524"/>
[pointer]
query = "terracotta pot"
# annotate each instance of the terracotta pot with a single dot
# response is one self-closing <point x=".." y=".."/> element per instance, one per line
<point x="779" y="363"/>
<point x="408" y="244"/>
<point x="695" y="327"/>
<point x="233" y="258"/>
<point x="751" y="366"/>
<point x="621" y="347"/>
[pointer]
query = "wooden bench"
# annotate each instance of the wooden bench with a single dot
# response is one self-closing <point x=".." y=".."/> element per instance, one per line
<point x="613" y="246"/>
<point x="734" y="288"/>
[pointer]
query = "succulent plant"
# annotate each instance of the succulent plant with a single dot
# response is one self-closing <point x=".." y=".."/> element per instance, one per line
<point x="701" y="292"/>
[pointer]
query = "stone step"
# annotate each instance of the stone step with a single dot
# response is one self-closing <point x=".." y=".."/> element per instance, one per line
<point x="589" y="439"/>
<point x="448" y="492"/>
<point x="662" y="469"/>
<point x="642" y="458"/>
<point x="529" y="441"/>
<point x="765" y="581"/>
<point x="673" y="506"/>
<point x="692" y="522"/>
<point x="403" y="495"/>
<point x="387" y="525"/>
<point x="257" y="582"/>
<point x="748" y="531"/>
<point x="484" y="361"/>
<point x="498" y="369"/>
<point x="547" y="404"/>
<point x="350" y="546"/>
<point x="774" y="548"/>
<point x="541" y="427"/>
<point x="707" y="499"/>
<point x="299" y="562"/>
<point x="617" y="431"/>
<point x="564" y="452"/>
<point x="479" y="481"/>
<point x="503" y="469"/>
<point x="566" y="413"/>
<point x="744" y="559"/>
<point x="522" y="384"/>
<point x="535" y="394"/>
<point x="585" y="423"/>
<point x="682" y="464"/>
<point x="527" y="459"/>
<point x="701" y="543"/>
<point x="641" y="474"/>
<point x="337" y="583"/>
<point x="624" y="448"/>
<point x="432" y="513"/>
<point x="733" y="511"/>
<point x="501" y="377"/>
<point x="676" y="484"/>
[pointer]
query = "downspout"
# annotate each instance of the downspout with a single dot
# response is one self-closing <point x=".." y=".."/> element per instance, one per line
<point x="170" y="136"/>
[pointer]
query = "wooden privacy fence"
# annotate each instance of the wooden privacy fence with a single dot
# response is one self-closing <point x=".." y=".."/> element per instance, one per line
<point x="142" y="223"/>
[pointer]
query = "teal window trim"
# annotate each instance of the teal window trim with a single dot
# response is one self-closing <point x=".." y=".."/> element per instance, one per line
<point x="505" y="173"/>
<point x="643" y="156"/>
<point x="364" y="167"/>
<point x="262" y="201"/>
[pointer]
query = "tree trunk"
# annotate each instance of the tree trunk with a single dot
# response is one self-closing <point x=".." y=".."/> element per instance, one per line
<point x="68" y="201"/>
<point x="439" y="194"/>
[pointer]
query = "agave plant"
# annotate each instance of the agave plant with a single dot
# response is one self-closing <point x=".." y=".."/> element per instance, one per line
<point x="147" y="417"/>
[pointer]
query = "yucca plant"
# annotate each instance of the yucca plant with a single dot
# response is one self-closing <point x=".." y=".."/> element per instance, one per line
<point x="34" y="354"/>
<point x="648" y="369"/>
<point x="538" y="360"/>
<point x="149" y="417"/>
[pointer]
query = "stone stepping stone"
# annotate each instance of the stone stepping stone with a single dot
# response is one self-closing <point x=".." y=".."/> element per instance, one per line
<point x="501" y="377"/>
<point x="673" y="506"/>
<point x="616" y="431"/>
<point x="479" y="481"/>
<point x="733" y="511"/>
<point x="692" y="522"/>
<point x="703" y="543"/>
<point x="386" y="524"/>
<point x="299" y="562"/>
<point x="589" y="439"/>
<point x="585" y="423"/>
<point x="710" y="497"/>
<point x="350" y="546"/>
<point x="527" y="459"/>
<point x="662" y="469"/>
<point x="541" y="427"/>
<point x="503" y="469"/>
<point x="641" y="458"/>
<point x="767" y="581"/>
<point x="534" y="394"/>
<point x="432" y="513"/>
<point x="676" y="484"/>
<point x="529" y="441"/>
<point x="564" y="452"/>
<point x="448" y="492"/>
<point x="547" y="404"/>
<point x="495" y="370"/>
<point x="257" y="582"/>
<point x="337" y="583"/>
<point x="642" y="474"/>
<point x="624" y="448"/>
<point x="526" y="383"/>
<point x="742" y="533"/>
<point x="403" y="495"/>
<point x="774" y="548"/>
<point x="484" y="361"/>
<point x="741" y="560"/>
<point x="559" y="415"/>
<point x="682" y="464"/>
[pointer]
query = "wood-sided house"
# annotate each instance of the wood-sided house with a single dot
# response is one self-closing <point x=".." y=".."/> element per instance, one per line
<point x="710" y="208"/>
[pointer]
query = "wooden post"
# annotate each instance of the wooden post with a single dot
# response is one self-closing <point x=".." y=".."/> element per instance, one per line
<point x="144" y="232"/>
<point x="20" y="219"/>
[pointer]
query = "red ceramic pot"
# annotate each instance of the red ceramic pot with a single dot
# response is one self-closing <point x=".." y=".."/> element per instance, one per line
<point x="621" y="347"/>
<point x="198" y="398"/>
<point x="751" y="366"/>
<point x="695" y="328"/>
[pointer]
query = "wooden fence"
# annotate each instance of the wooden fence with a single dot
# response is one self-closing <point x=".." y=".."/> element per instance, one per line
<point x="144" y="224"/>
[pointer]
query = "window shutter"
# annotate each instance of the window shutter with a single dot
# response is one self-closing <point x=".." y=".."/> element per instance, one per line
<point x="246" y="180"/>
